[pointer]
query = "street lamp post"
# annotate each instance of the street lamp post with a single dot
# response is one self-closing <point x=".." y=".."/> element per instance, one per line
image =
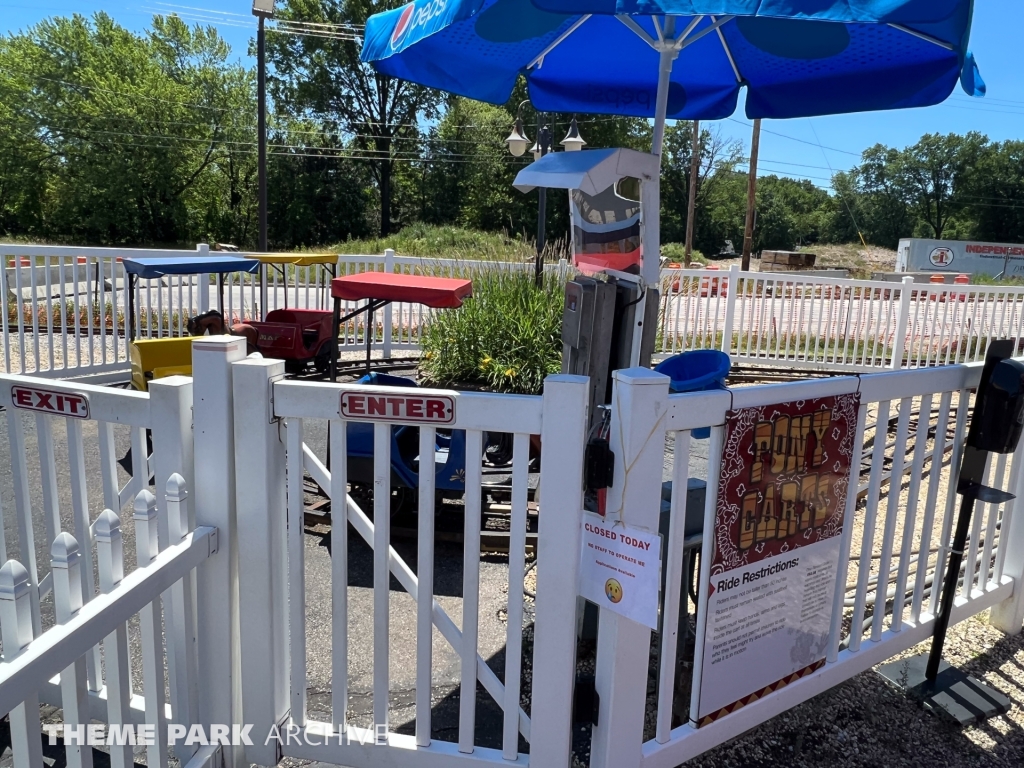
<point x="263" y="10"/>
<point x="542" y="147"/>
<point x="517" y="143"/>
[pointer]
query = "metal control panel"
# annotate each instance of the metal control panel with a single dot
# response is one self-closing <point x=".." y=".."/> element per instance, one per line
<point x="588" y="320"/>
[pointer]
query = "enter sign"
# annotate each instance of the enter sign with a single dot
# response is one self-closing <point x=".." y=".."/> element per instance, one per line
<point x="378" y="406"/>
<point x="48" y="401"/>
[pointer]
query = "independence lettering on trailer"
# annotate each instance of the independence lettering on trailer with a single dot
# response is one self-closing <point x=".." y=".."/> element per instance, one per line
<point x="959" y="256"/>
<point x="379" y="406"/>
<point x="48" y="401"/>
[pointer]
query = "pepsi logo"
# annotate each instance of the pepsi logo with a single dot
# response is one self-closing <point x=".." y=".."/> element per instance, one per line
<point x="411" y="18"/>
<point x="403" y="25"/>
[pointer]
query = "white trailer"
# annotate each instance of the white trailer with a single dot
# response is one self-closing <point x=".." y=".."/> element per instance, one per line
<point x="960" y="256"/>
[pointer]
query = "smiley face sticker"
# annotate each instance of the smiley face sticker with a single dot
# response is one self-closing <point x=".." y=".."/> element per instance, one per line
<point x="613" y="590"/>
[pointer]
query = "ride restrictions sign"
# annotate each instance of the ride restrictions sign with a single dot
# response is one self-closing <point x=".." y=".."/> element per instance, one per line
<point x="620" y="569"/>
<point x="778" y="522"/>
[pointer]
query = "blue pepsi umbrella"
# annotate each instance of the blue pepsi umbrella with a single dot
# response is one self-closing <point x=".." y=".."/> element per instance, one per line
<point x="683" y="58"/>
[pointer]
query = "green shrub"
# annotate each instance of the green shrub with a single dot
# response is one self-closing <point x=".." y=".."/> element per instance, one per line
<point x="507" y="337"/>
<point x="676" y="252"/>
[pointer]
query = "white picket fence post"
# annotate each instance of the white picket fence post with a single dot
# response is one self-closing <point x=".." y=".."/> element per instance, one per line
<point x="67" y="598"/>
<point x="203" y="281"/>
<point x="637" y="438"/>
<point x="180" y="622"/>
<point x="899" y="341"/>
<point x="16" y="627"/>
<point x="170" y="402"/>
<point x="730" y="307"/>
<point x="1008" y="616"/>
<point x="554" y="645"/>
<point x="213" y="491"/>
<point x="147" y="547"/>
<point x="263" y="562"/>
<point x="389" y="266"/>
<point x="110" y="562"/>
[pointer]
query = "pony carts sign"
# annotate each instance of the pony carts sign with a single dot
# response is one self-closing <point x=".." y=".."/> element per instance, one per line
<point x="781" y="498"/>
<point x="374" y="405"/>
<point x="48" y="401"/>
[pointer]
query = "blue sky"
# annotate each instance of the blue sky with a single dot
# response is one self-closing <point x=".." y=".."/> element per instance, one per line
<point x="788" y="147"/>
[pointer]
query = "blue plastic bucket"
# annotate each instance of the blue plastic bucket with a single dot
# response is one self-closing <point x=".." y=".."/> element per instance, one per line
<point x="696" y="371"/>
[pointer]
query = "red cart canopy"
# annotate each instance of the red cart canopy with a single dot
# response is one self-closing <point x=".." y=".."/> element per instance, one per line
<point x="436" y="292"/>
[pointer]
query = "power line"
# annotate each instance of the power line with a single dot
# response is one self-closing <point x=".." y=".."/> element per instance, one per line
<point x="839" y="192"/>
<point x="794" y="138"/>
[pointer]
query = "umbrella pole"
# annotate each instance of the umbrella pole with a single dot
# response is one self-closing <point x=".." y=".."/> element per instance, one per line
<point x="666" y="58"/>
<point x="650" y="192"/>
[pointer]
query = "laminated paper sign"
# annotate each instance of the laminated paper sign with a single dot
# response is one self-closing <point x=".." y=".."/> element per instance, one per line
<point x="620" y="569"/>
<point x="778" y="523"/>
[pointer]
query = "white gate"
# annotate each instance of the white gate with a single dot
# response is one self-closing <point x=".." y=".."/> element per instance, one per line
<point x="64" y="440"/>
<point x="271" y="457"/>
<point x="893" y="547"/>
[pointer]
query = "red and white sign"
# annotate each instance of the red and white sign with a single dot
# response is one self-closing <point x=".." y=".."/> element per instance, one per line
<point x="47" y="401"/>
<point x="379" y="406"/>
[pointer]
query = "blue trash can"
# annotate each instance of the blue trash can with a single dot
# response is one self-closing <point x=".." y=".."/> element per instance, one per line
<point x="696" y="371"/>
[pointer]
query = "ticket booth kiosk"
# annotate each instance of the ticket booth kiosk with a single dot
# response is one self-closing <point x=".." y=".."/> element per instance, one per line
<point x="610" y="316"/>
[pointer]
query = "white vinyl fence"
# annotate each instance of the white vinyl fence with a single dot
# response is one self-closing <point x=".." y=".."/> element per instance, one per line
<point x="241" y="440"/>
<point x="63" y="311"/>
<point x="834" y="324"/>
<point x="63" y="308"/>
<point x="894" y="546"/>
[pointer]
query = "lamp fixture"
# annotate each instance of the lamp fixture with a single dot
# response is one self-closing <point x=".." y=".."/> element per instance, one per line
<point x="517" y="141"/>
<point x="263" y="8"/>
<point x="573" y="142"/>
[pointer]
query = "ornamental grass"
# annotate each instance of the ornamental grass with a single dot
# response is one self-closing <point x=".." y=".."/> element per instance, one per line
<point x="506" y="338"/>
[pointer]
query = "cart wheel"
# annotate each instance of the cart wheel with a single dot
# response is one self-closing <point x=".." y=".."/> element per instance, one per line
<point x="322" y="361"/>
<point x="403" y="500"/>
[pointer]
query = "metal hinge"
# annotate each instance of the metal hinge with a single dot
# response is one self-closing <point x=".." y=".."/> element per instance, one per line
<point x="271" y="418"/>
<point x="214" y="542"/>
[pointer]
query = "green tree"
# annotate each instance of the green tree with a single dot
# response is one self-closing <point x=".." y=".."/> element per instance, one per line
<point x="995" y="196"/>
<point x="316" y="194"/>
<point x="937" y="171"/>
<point x="322" y="77"/>
<point x="127" y="130"/>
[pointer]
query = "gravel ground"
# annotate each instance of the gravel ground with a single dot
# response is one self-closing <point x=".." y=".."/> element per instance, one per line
<point x="866" y="723"/>
<point x="108" y="350"/>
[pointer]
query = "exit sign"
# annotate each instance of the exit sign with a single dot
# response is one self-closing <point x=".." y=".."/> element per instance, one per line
<point x="47" y="401"/>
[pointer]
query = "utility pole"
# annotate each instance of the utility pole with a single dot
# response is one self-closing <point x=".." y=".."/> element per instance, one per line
<point x="691" y="205"/>
<point x="261" y="129"/>
<point x="748" y="230"/>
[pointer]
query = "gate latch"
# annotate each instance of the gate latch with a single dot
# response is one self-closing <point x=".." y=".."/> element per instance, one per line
<point x="599" y="464"/>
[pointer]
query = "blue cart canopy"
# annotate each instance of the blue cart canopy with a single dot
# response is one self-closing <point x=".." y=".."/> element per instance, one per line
<point x="159" y="266"/>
